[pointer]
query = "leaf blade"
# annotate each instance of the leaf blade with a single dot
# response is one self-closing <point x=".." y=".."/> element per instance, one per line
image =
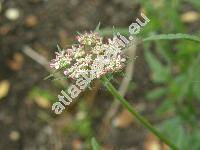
<point x="95" y="145"/>
<point x="172" y="37"/>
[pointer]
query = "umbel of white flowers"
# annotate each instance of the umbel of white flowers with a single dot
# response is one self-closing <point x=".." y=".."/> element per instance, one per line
<point x="91" y="59"/>
<point x="89" y="55"/>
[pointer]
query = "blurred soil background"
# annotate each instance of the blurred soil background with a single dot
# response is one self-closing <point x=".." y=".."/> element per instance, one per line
<point x="26" y="119"/>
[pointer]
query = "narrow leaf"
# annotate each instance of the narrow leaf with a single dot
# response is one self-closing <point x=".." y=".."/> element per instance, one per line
<point x="160" y="73"/>
<point x="59" y="49"/>
<point x="95" y="145"/>
<point x="172" y="37"/>
<point x="156" y="93"/>
<point x="97" y="27"/>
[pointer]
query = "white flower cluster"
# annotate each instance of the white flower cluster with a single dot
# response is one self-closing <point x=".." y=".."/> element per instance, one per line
<point x="90" y="57"/>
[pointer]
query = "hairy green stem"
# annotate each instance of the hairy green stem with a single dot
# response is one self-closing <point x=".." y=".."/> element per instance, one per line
<point x="141" y="119"/>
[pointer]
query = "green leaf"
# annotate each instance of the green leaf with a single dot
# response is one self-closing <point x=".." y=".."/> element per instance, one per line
<point x="172" y="37"/>
<point x="179" y="135"/>
<point x="156" y="93"/>
<point x="177" y="92"/>
<point x="160" y="73"/>
<point x="195" y="4"/>
<point x="165" y="107"/>
<point x="37" y="91"/>
<point x="196" y="90"/>
<point x="194" y="139"/>
<point x="194" y="74"/>
<point x="97" y="27"/>
<point x="95" y="145"/>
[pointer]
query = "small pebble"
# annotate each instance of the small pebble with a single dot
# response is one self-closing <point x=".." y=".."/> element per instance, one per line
<point x="14" y="135"/>
<point x="77" y="144"/>
<point x="12" y="14"/>
<point x="5" y="29"/>
<point x="31" y="21"/>
<point x="190" y="17"/>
